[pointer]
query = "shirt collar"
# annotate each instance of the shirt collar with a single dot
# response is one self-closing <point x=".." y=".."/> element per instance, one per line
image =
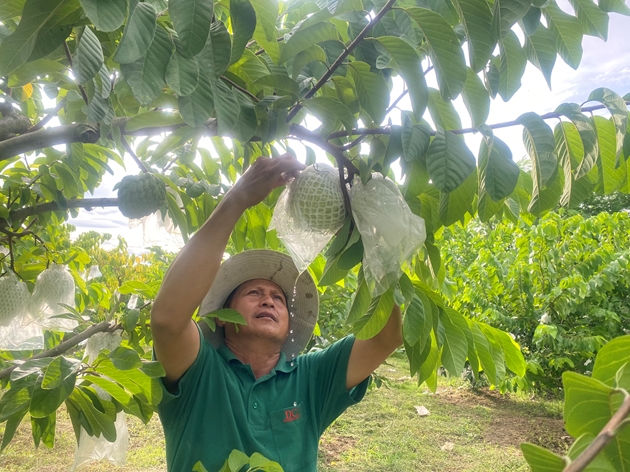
<point x="283" y="364"/>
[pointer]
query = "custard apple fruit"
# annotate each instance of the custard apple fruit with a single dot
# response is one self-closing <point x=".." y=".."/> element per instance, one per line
<point x="14" y="298"/>
<point x="53" y="286"/>
<point x="316" y="200"/>
<point x="140" y="195"/>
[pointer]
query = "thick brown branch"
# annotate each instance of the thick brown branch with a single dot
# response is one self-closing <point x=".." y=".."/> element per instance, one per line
<point x="76" y="133"/>
<point x="105" y="326"/>
<point x="605" y="436"/>
<point x="320" y="83"/>
<point x="87" y="203"/>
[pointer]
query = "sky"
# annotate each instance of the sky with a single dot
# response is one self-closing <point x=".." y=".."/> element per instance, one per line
<point x="604" y="64"/>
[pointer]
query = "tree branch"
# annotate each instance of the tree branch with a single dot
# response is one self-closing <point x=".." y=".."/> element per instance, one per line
<point x="320" y="83"/>
<point x="140" y="164"/>
<point x="605" y="436"/>
<point x="76" y="133"/>
<point x="103" y="327"/>
<point x="238" y="87"/>
<point x="87" y="203"/>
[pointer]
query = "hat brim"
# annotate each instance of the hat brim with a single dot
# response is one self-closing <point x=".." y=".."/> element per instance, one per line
<point x="303" y="299"/>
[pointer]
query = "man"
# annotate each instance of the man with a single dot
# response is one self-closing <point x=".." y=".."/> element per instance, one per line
<point x="245" y="388"/>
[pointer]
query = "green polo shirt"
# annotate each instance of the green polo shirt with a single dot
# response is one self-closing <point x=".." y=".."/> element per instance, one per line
<point x="219" y="406"/>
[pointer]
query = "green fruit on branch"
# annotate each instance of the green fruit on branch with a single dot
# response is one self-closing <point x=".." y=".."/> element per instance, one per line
<point x="316" y="199"/>
<point x="140" y="195"/>
<point x="14" y="298"/>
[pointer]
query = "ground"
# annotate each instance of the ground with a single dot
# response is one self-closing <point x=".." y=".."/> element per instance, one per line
<point x="467" y="430"/>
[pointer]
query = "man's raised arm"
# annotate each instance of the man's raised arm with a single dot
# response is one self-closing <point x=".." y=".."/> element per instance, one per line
<point x="192" y="273"/>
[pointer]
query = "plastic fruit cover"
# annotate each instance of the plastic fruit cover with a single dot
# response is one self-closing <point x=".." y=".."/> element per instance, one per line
<point x="390" y="232"/>
<point x="14" y="298"/>
<point x="53" y="287"/>
<point x="309" y="212"/>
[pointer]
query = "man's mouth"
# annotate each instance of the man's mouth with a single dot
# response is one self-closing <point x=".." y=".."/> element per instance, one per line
<point x="266" y="314"/>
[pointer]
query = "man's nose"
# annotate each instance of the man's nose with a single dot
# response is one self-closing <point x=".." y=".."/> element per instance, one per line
<point x="267" y="300"/>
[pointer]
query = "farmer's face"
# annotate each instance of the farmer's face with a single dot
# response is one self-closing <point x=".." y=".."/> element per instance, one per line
<point x="264" y="307"/>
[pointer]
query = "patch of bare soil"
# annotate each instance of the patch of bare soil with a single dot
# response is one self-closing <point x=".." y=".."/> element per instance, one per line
<point x="332" y="447"/>
<point x="512" y="423"/>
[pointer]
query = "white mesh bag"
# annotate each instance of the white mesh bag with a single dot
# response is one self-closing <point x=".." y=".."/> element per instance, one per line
<point x="309" y="212"/>
<point x="14" y="298"/>
<point x="390" y="232"/>
<point x="53" y="287"/>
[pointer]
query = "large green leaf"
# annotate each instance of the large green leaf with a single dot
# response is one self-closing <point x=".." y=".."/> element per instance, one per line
<point x="454" y="205"/>
<point x="442" y="112"/>
<point x="477" y="20"/>
<point x="484" y="351"/>
<point x="548" y="198"/>
<point x="118" y="393"/>
<point x="376" y="316"/>
<point x="587" y="133"/>
<point x="249" y="68"/>
<point x="330" y="112"/>
<point x="143" y="387"/>
<point x="16" y="49"/>
<point x="618" y="110"/>
<point x="243" y="19"/>
<point x="505" y="14"/>
<point x="618" y="6"/>
<point x="100" y="422"/>
<point x="214" y="59"/>
<point x="567" y="32"/>
<point x="191" y="19"/>
<point x="372" y="91"/>
<point x="513" y="62"/>
<point x="226" y="106"/>
<point x="106" y="15"/>
<point x="138" y="34"/>
<point x="58" y="371"/>
<point x="476" y="99"/>
<point x="416" y="322"/>
<point x="511" y="350"/>
<point x="313" y="53"/>
<point x="449" y="161"/>
<point x="182" y="74"/>
<point x="415" y="140"/>
<point x="266" y="34"/>
<point x="447" y="55"/>
<point x="610" y="358"/>
<point x="498" y="173"/>
<point x="569" y="150"/>
<point x="11" y="9"/>
<point x="197" y="107"/>
<point x="428" y="368"/>
<point x="54" y="32"/>
<point x="146" y="76"/>
<point x="542" y="460"/>
<point x="594" y="20"/>
<point x="609" y="177"/>
<point x="409" y="64"/>
<point x="540" y="144"/>
<point x="45" y="402"/>
<point x="455" y="347"/>
<point x="304" y="38"/>
<point x="88" y="58"/>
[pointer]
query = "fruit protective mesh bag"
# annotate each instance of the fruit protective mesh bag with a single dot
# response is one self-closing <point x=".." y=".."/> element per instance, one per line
<point x="309" y="212"/>
<point x="91" y="448"/>
<point x="18" y="331"/>
<point x="53" y="287"/>
<point x="390" y="232"/>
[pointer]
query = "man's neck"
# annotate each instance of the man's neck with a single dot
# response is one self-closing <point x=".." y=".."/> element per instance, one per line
<point x="261" y="358"/>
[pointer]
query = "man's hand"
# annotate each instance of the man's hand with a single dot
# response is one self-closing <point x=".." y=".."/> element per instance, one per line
<point x="264" y="175"/>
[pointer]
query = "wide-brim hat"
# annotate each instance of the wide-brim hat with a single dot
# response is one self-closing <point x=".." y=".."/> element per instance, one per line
<point x="300" y="290"/>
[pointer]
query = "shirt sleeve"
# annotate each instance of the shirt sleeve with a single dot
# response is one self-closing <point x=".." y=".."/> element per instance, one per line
<point x="328" y="370"/>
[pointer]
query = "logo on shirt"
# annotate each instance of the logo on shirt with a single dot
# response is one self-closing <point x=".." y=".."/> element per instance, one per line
<point x="291" y="414"/>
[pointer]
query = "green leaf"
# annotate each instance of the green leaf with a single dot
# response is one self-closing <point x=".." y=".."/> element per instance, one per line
<point x="142" y="386"/>
<point x="540" y="144"/>
<point x="588" y="135"/>
<point x="266" y="34"/>
<point x="29" y="71"/>
<point x="214" y="58"/>
<point x="152" y="119"/>
<point x="567" y="32"/>
<point x="569" y="150"/>
<point x="542" y="460"/>
<point x="531" y="21"/>
<point x="45" y="402"/>
<point x="226" y="106"/>
<point x="371" y="89"/>
<point x="228" y="315"/>
<point x="125" y="358"/>
<point x="15" y="402"/>
<point x="128" y="403"/>
<point x="618" y="6"/>
<point x="278" y="84"/>
<point x="243" y="18"/>
<point x="191" y="19"/>
<point x="197" y="107"/>
<point x="513" y="62"/>
<point x="376" y="317"/>
<point x="455" y="348"/>
<point x="449" y="161"/>
<point x="153" y="369"/>
<point x="476" y="99"/>
<point x="484" y="351"/>
<point x="415" y="140"/>
<point x="428" y="369"/>
<point x="610" y="358"/>
<point x="617" y="108"/>
<point x="43" y="430"/>
<point x="106" y="15"/>
<point x="443" y="112"/>
<point x="10" y="429"/>
<point x="54" y="32"/>
<point x="415" y="322"/>
<point x="409" y="64"/>
<point x="146" y="76"/>
<point x="498" y="173"/>
<point x="16" y="49"/>
<point x="594" y="20"/>
<point x="304" y="38"/>
<point x="511" y="350"/>
<point x="182" y="75"/>
<point x="99" y="421"/>
<point x="360" y="303"/>
<point x="609" y="177"/>
<point x="30" y="367"/>
<point x="237" y="460"/>
<point x="58" y="371"/>
<point x="330" y="112"/>
<point x="477" y="21"/>
<point x="313" y="53"/>
<point x="447" y="55"/>
<point x="454" y="205"/>
<point x="505" y="14"/>
<point x="138" y="34"/>
<point x="600" y="463"/>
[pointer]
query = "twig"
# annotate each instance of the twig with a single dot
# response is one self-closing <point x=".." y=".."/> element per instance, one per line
<point x="81" y="89"/>
<point x="103" y="327"/>
<point x="87" y="203"/>
<point x="605" y="436"/>
<point x="13" y="234"/>
<point x="320" y="83"/>
<point x="140" y="164"/>
<point x="405" y="92"/>
<point x="238" y="87"/>
<point x="354" y="143"/>
<point x="41" y="123"/>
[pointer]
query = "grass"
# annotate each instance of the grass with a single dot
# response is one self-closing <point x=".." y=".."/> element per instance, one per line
<point x="467" y="430"/>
